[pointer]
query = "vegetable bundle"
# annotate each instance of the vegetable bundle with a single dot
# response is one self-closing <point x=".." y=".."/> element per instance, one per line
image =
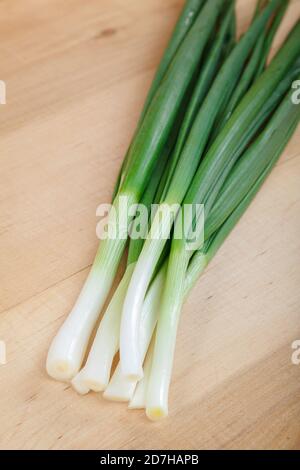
<point x="214" y="124"/>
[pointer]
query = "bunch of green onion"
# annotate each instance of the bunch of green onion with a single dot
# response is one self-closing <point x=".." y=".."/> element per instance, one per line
<point x="215" y="122"/>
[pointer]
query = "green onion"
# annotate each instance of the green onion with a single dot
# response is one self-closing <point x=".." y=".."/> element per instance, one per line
<point x="186" y="20"/>
<point x="68" y="348"/>
<point x="186" y="167"/>
<point x="271" y="34"/>
<point x="121" y="388"/>
<point x="217" y="239"/>
<point x="163" y="109"/>
<point x="213" y="127"/>
<point x="96" y="372"/>
<point x="269" y="145"/>
<point x="139" y="398"/>
<point x="254" y="68"/>
<point x="227" y="147"/>
<point x="246" y="171"/>
<point x="259" y="6"/>
<point x="207" y="74"/>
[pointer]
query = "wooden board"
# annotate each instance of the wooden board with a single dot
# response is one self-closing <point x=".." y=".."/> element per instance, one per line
<point x="77" y="73"/>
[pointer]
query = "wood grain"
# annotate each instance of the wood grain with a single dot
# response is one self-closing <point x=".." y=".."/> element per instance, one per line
<point x="77" y="73"/>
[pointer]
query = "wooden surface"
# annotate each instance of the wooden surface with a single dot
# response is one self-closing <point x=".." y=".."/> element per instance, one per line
<point x="77" y="73"/>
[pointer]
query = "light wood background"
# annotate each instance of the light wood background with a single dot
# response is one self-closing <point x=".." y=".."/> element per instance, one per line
<point x="77" y="72"/>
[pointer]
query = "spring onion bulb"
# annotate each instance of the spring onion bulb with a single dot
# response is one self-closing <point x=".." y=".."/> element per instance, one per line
<point x="138" y="400"/>
<point x="69" y="346"/>
<point x="157" y="396"/>
<point x="78" y="384"/>
<point x="120" y="387"/>
<point x="96" y="372"/>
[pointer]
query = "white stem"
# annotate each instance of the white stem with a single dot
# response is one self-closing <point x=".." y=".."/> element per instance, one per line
<point x="175" y="291"/>
<point x="158" y="388"/>
<point x="130" y="354"/>
<point x="96" y="372"/>
<point x="69" y="346"/>
<point x="120" y="388"/>
<point x="78" y="385"/>
<point x="138" y="400"/>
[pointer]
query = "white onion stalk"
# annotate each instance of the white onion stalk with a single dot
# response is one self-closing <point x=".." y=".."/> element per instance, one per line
<point x="138" y="401"/>
<point x="79" y="385"/>
<point x="96" y="372"/>
<point x="130" y="357"/>
<point x="120" y="388"/>
<point x="69" y="346"/>
<point x="178" y="284"/>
